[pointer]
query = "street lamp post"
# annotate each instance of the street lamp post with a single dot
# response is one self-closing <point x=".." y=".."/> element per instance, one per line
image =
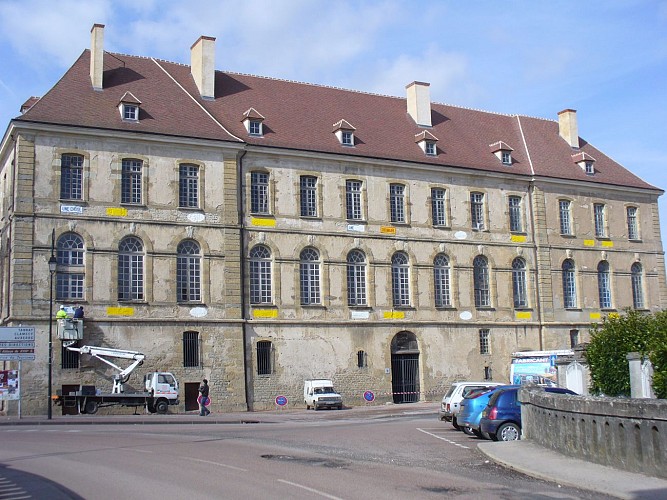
<point x="52" y="270"/>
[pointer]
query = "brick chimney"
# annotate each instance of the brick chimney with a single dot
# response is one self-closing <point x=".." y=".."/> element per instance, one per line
<point x="96" y="55"/>
<point x="567" y="127"/>
<point x="419" y="103"/>
<point x="202" y="65"/>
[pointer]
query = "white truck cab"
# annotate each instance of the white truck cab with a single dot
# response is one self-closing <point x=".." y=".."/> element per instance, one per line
<point x="320" y="393"/>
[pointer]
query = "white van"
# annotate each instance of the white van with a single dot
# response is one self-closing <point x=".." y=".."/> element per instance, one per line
<point x="451" y="402"/>
<point x="320" y="393"/>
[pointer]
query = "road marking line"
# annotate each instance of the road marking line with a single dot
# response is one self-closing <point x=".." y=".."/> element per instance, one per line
<point x="216" y="463"/>
<point x="312" y="490"/>
<point x="444" y="439"/>
<point x="141" y="451"/>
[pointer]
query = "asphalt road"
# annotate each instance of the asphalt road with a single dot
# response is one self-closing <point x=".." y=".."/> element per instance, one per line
<point x="349" y="458"/>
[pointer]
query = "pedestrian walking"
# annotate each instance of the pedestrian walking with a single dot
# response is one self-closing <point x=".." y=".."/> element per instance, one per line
<point x="204" y="400"/>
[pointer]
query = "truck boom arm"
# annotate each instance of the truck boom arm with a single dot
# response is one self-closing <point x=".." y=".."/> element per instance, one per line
<point x="102" y="353"/>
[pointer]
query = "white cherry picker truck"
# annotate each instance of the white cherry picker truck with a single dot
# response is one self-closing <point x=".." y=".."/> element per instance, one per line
<point x="160" y="388"/>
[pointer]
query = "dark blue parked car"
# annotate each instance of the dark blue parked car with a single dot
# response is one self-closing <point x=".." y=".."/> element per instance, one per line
<point x="471" y="409"/>
<point x="501" y="419"/>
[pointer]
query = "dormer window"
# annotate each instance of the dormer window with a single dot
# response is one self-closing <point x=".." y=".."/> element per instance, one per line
<point x="503" y="152"/>
<point x="129" y="107"/>
<point x="427" y="141"/>
<point x="253" y="122"/>
<point x="586" y="162"/>
<point x="344" y="132"/>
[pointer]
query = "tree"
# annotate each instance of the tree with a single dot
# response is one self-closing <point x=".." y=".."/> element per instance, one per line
<point x="658" y="354"/>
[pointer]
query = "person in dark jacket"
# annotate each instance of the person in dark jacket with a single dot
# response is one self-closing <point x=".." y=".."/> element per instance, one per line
<point x="203" y="398"/>
<point x="78" y="312"/>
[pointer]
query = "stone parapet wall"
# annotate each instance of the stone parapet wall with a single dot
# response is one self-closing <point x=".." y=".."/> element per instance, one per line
<point x="628" y="434"/>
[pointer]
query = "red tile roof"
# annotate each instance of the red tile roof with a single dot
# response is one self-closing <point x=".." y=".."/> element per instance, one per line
<point x="300" y="116"/>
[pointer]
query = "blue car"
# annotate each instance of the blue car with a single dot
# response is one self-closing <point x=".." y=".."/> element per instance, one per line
<point x="501" y="419"/>
<point x="471" y="409"/>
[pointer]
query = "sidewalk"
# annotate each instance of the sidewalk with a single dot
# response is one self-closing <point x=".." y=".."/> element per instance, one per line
<point x="536" y="461"/>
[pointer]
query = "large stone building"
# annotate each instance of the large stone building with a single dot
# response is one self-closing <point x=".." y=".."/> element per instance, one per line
<point x="258" y="232"/>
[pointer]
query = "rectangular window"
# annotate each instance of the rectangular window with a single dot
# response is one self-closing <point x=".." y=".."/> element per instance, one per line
<point x="347" y="138"/>
<point x="361" y="359"/>
<point x="353" y="200"/>
<point x="430" y="148"/>
<point x="564" y="207"/>
<point x="188" y="186"/>
<point x="71" y="177"/>
<point x="438" y="207"/>
<point x="69" y="359"/>
<point x="600" y="220"/>
<point x="191" y="349"/>
<point x="477" y="210"/>
<point x="131" y="181"/>
<point x="264" y="354"/>
<point x="574" y="338"/>
<point x="506" y="158"/>
<point x="516" y="217"/>
<point x="255" y="127"/>
<point x="259" y="193"/>
<point x="308" y="196"/>
<point x="69" y="286"/>
<point x="397" y="202"/>
<point x="484" y="344"/>
<point x="130" y="112"/>
<point x="633" y="225"/>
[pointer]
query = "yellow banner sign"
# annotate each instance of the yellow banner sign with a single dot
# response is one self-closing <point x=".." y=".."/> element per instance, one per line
<point x="394" y="315"/>
<point x="518" y="238"/>
<point x="117" y="211"/>
<point x="264" y="222"/>
<point x="387" y="230"/>
<point x="265" y="313"/>
<point x="523" y="315"/>
<point x="120" y="311"/>
<point x="607" y="244"/>
<point x="595" y="316"/>
<point x="589" y="243"/>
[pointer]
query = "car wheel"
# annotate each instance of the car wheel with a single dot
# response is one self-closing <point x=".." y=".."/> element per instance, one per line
<point x="467" y="430"/>
<point x="509" y="432"/>
<point x="455" y="424"/>
<point x="162" y="406"/>
<point x="91" y="407"/>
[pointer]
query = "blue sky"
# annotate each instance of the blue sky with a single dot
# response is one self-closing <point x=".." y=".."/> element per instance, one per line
<point x="607" y="60"/>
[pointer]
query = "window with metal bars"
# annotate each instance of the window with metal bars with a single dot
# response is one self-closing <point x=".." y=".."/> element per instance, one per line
<point x="309" y="271"/>
<point x="519" y="283"/>
<point x="565" y="214"/>
<point x="574" y="338"/>
<point x="488" y="373"/>
<point x="633" y="225"/>
<point x="188" y="272"/>
<point x="516" y="217"/>
<point x="484" y="341"/>
<point x="131" y="269"/>
<point x="600" y="220"/>
<point x="400" y="280"/>
<point x="259" y="193"/>
<point x="361" y="359"/>
<point x="441" y="281"/>
<point x="191" y="349"/>
<point x="604" y="285"/>
<point x="636" y="277"/>
<point x="70" y="258"/>
<point x="397" y="202"/>
<point x="356" y="278"/>
<point x="264" y="357"/>
<point x="71" y="177"/>
<point x="69" y="360"/>
<point x="569" y="285"/>
<point x="477" y="210"/>
<point x="260" y="275"/>
<point x="480" y="268"/>
<point x="131" y="181"/>
<point x="438" y="207"/>
<point x="353" y="200"/>
<point x="308" y="186"/>
<point x="188" y="186"/>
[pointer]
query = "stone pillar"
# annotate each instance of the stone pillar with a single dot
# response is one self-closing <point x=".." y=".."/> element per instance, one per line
<point x="640" y="376"/>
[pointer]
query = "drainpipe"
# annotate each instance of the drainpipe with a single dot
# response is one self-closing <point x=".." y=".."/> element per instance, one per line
<point x="240" y="203"/>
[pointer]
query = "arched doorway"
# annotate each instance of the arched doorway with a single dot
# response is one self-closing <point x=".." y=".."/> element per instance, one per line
<point x="405" y="368"/>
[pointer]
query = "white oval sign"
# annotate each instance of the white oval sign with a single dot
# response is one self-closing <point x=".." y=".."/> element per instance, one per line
<point x="460" y="235"/>
<point x="466" y="315"/>
<point x="198" y="312"/>
<point x="196" y="217"/>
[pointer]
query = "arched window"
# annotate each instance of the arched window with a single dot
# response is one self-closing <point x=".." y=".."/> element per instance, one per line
<point x="637" y="277"/>
<point x="441" y="281"/>
<point x="480" y="269"/>
<point x="604" y="284"/>
<point x="400" y="280"/>
<point x="569" y="285"/>
<point x="130" y="269"/>
<point x="356" y="278"/>
<point x="188" y="271"/>
<point x="70" y="275"/>
<point x="519" y="283"/>
<point x="260" y="275"/>
<point x="309" y="271"/>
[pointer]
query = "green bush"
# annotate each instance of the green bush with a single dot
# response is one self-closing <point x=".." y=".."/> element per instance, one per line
<point x="611" y="342"/>
<point x="658" y="354"/>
